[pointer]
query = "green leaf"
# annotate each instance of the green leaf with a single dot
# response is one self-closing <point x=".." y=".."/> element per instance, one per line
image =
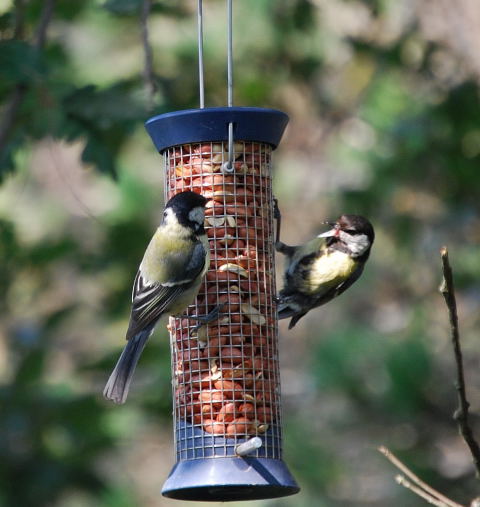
<point x="7" y="156"/>
<point x="6" y="22"/>
<point x="99" y="155"/>
<point x="104" y="118"/>
<point x="20" y="63"/>
<point x="133" y="7"/>
<point x="122" y="7"/>
<point x="32" y="365"/>
<point x="64" y="9"/>
<point x="104" y="107"/>
<point x="408" y="366"/>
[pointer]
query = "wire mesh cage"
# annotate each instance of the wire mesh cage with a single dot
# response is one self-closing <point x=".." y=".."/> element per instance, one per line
<point x="225" y="375"/>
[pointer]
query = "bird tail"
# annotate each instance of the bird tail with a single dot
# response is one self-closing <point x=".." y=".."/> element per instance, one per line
<point x="286" y="311"/>
<point x="118" y="384"/>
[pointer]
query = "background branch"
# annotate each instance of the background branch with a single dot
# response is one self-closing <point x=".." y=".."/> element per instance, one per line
<point x="461" y="414"/>
<point x="148" y="74"/>
<point x="402" y="481"/>
<point x="19" y="14"/>
<point x="418" y="487"/>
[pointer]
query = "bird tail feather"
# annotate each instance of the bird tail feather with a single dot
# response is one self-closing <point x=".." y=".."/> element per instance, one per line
<point x="118" y="384"/>
<point x="286" y="310"/>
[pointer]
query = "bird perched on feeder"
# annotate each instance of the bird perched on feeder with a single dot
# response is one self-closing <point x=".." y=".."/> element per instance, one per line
<point x="167" y="281"/>
<point x="323" y="268"/>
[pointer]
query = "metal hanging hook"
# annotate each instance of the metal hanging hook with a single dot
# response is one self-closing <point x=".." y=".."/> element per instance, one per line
<point x="200" y="54"/>
<point x="228" y="165"/>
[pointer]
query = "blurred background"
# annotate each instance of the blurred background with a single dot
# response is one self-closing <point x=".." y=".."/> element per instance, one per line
<point x="383" y="99"/>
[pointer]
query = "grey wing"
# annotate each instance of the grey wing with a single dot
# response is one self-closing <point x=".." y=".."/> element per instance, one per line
<point x="287" y="250"/>
<point x="151" y="300"/>
<point x="302" y="256"/>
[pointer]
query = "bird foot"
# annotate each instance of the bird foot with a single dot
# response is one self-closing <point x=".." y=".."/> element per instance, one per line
<point x="276" y="209"/>
<point x="203" y="320"/>
<point x="278" y="217"/>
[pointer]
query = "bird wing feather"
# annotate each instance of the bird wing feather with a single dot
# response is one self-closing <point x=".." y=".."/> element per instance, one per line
<point x="304" y="255"/>
<point x="152" y="299"/>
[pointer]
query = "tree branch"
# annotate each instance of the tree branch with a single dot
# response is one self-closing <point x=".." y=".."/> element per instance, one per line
<point x="418" y="487"/>
<point x="461" y="413"/>
<point x="400" y="479"/>
<point x="148" y="74"/>
<point x="45" y="18"/>
<point x="19" y="13"/>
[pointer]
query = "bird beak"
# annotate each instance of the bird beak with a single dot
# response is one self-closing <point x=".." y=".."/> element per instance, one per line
<point x="328" y="234"/>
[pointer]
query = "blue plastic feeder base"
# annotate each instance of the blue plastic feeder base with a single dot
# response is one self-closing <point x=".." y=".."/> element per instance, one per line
<point x="229" y="479"/>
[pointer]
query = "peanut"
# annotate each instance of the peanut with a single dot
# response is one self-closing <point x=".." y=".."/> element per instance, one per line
<point x="227" y="413"/>
<point x="225" y="372"/>
<point x="241" y="425"/>
<point x="215" y="427"/>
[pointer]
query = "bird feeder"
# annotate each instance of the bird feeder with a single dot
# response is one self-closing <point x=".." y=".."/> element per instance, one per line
<point x="225" y="375"/>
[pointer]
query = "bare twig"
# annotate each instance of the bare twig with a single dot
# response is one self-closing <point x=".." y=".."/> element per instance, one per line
<point x="423" y="486"/>
<point x="419" y="491"/>
<point x="461" y="413"/>
<point x="18" y="94"/>
<point x="19" y="14"/>
<point x="45" y="18"/>
<point x="148" y="74"/>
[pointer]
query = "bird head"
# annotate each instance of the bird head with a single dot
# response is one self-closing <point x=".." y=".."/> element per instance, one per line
<point x="354" y="232"/>
<point x="186" y="208"/>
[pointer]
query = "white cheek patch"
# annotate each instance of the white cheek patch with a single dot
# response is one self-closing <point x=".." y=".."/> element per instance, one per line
<point x="197" y="215"/>
<point x="357" y="244"/>
<point x="169" y="215"/>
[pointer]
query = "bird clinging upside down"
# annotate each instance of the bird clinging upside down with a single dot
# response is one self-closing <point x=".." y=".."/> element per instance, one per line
<point x="323" y="268"/>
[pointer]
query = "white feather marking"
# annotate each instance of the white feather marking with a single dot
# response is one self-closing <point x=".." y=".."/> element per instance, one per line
<point x="357" y="244"/>
<point x="179" y="282"/>
<point x="197" y="215"/>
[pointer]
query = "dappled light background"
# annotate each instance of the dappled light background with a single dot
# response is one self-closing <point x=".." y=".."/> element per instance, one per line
<point x="383" y="99"/>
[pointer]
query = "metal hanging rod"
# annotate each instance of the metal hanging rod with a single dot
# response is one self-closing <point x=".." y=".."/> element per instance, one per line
<point x="200" y="53"/>
<point x="228" y="166"/>
<point x="229" y="54"/>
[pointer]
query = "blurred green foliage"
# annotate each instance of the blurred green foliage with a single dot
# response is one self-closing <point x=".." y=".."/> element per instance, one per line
<point x="385" y="121"/>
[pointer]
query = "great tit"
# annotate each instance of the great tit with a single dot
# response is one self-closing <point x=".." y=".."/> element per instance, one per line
<point x="167" y="281"/>
<point x="323" y="268"/>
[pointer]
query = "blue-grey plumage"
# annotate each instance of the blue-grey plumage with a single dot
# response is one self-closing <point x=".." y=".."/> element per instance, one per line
<point x="325" y="267"/>
<point x="167" y="281"/>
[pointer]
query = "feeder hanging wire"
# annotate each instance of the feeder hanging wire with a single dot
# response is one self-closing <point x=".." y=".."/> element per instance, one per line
<point x="228" y="166"/>
<point x="229" y="55"/>
<point x="200" y="54"/>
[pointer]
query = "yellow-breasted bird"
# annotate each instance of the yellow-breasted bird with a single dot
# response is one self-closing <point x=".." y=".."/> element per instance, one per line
<point x="167" y="281"/>
<point x="323" y="268"/>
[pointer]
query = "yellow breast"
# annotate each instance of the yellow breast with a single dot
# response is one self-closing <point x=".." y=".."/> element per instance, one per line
<point x="329" y="270"/>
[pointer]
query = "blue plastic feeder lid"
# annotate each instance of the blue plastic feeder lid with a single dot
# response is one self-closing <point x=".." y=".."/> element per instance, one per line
<point x="211" y="125"/>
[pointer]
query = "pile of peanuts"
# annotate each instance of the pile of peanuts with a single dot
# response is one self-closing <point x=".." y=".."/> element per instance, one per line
<point x="226" y="373"/>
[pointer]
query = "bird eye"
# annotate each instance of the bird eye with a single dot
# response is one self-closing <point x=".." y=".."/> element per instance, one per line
<point x="352" y="232"/>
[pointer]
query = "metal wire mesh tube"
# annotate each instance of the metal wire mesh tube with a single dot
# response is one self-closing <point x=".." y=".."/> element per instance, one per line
<point x="225" y="375"/>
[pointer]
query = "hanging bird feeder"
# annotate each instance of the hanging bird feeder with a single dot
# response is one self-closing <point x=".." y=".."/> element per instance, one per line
<point x="225" y="375"/>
